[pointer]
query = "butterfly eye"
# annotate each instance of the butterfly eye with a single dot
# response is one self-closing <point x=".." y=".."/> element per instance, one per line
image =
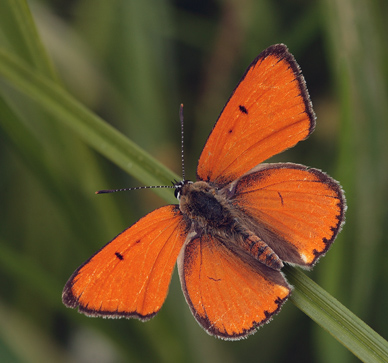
<point x="178" y="188"/>
<point x="177" y="192"/>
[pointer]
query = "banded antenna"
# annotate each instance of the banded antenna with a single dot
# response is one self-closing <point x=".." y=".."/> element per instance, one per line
<point x="175" y="185"/>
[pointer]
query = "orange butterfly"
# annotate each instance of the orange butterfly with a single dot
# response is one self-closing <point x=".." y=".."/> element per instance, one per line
<point x="235" y="226"/>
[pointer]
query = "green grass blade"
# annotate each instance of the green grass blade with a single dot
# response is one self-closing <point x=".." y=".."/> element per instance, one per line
<point x="92" y="129"/>
<point x="335" y="318"/>
<point x="22" y="36"/>
<point x="308" y="296"/>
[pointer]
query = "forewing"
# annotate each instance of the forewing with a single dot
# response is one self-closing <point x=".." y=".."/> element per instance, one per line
<point x="297" y="211"/>
<point x="228" y="294"/>
<point x="129" y="277"/>
<point x="268" y="112"/>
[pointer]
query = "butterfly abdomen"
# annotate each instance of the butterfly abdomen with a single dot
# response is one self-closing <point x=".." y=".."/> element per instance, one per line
<point x="257" y="248"/>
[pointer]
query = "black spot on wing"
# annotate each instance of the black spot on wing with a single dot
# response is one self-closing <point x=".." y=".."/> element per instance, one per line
<point x="243" y="109"/>
<point x="119" y="256"/>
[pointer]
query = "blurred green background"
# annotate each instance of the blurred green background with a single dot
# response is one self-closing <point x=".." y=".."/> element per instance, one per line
<point x="133" y="63"/>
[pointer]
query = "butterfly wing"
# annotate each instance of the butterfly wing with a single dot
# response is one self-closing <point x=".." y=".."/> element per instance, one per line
<point x="229" y="294"/>
<point x="129" y="277"/>
<point x="297" y="211"/>
<point x="268" y="112"/>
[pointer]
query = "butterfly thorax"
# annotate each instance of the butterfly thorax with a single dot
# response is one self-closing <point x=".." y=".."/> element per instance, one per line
<point x="210" y="212"/>
<point x="202" y="204"/>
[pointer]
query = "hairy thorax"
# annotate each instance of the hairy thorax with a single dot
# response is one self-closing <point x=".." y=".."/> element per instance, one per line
<point x="206" y="207"/>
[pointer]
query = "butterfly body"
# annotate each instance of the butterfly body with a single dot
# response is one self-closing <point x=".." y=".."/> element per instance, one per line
<point x="209" y="210"/>
<point x="234" y="227"/>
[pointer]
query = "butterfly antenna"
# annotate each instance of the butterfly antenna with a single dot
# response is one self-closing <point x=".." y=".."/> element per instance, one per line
<point x="174" y="186"/>
<point x="182" y="142"/>
<point x="135" y="188"/>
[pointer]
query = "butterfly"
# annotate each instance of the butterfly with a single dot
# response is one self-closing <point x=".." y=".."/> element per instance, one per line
<point x="235" y="226"/>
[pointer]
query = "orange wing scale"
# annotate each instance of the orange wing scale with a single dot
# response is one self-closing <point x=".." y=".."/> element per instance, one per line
<point x="305" y="207"/>
<point x="268" y="112"/>
<point x="131" y="274"/>
<point x="228" y="296"/>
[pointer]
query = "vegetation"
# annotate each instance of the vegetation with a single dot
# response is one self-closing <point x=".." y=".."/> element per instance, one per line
<point x="73" y="73"/>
